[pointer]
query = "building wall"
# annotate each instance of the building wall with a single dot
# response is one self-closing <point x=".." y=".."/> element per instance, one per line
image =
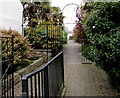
<point x="11" y="15"/>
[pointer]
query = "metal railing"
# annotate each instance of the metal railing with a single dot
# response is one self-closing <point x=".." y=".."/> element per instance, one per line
<point x="7" y="79"/>
<point x="46" y="81"/>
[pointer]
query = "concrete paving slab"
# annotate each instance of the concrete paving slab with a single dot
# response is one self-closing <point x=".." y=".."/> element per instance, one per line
<point x="83" y="79"/>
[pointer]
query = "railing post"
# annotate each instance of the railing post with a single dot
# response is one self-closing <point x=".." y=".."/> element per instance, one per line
<point x="62" y="68"/>
<point x="0" y="66"/>
<point x="13" y="66"/>
<point x="24" y="88"/>
<point x="46" y="86"/>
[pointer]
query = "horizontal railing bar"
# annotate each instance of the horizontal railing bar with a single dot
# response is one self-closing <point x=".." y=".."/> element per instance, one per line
<point x="37" y="71"/>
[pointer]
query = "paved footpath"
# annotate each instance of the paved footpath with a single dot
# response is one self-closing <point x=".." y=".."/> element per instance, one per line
<point x="83" y="79"/>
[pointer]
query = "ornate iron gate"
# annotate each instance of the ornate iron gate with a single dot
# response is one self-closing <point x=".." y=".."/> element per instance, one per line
<point x="49" y="28"/>
<point x="7" y="79"/>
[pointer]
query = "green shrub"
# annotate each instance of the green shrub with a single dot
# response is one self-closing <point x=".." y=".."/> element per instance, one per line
<point x="103" y="37"/>
<point x="64" y="36"/>
<point x="21" y="48"/>
<point x="36" y="36"/>
<point x="45" y="36"/>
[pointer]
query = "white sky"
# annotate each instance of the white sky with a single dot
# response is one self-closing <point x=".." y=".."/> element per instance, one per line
<point x="11" y="15"/>
<point x="68" y="12"/>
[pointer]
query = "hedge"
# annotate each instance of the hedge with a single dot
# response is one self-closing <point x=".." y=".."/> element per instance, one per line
<point x="103" y="38"/>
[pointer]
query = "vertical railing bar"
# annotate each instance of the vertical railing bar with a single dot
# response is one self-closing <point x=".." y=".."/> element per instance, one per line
<point x="61" y="74"/>
<point x="52" y="72"/>
<point x="62" y="68"/>
<point x="7" y="50"/>
<point x="2" y="87"/>
<point x="49" y="72"/>
<point x="46" y="86"/>
<point x="10" y="86"/>
<point x="55" y="35"/>
<point x="35" y="86"/>
<point x="31" y="87"/>
<point x="47" y="42"/>
<point x="50" y="36"/>
<point x="7" y="86"/>
<point x="6" y="67"/>
<point x="85" y="57"/>
<point x="25" y="88"/>
<point x="42" y="83"/>
<point x="53" y="39"/>
<point x="85" y="52"/>
<point x="43" y="26"/>
<point x="53" y="69"/>
<point x="12" y="67"/>
<point x="60" y="36"/>
<point x="28" y="88"/>
<point x="39" y="85"/>
<point x="55" y="79"/>
<point x="60" y="85"/>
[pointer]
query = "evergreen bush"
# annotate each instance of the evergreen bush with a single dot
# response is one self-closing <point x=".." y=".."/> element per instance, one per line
<point x="103" y="38"/>
<point x="22" y="49"/>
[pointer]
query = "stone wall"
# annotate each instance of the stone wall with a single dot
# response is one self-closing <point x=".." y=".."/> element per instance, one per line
<point x="19" y="74"/>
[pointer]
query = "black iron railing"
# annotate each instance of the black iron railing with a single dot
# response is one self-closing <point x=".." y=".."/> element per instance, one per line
<point x="46" y="30"/>
<point x="7" y="78"/>
<point x="46" y="81"/>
